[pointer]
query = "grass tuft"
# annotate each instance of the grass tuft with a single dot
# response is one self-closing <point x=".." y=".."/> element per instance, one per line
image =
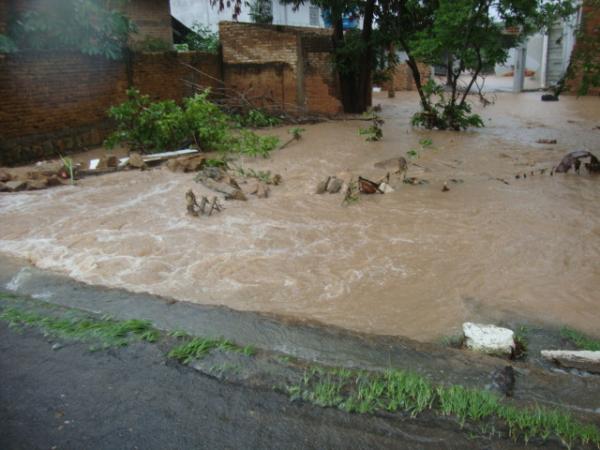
<point x="110" y="332"/>
<point x="580" y="340"/>
<point x="198" y="348"/>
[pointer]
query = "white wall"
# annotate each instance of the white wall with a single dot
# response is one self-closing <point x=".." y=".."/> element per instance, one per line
<point x="192" y="11"/>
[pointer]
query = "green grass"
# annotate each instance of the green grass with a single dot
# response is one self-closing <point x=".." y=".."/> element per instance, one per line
<point x="109" y="332"/>
<point x="580" y="340"/>
<point x="198" y="348"/>
<point x="400" y="391"/>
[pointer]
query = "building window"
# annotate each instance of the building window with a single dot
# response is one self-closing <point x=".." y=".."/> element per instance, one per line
<point x="314" y="15"/>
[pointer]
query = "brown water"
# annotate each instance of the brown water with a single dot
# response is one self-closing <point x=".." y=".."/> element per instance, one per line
<point x="417" y="262"/>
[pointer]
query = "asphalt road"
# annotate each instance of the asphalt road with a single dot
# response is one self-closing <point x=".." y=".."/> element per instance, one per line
<point x="133" y="397"/>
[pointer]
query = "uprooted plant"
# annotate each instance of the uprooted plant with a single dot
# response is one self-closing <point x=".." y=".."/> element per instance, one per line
<point x="374" y="131"/>
<point x="149" y="126"/>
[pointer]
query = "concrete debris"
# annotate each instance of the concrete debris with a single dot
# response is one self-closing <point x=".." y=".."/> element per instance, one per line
<point x="386" y="188"/>
<point x="575" y="359"/>
<point x="489" y="339"/>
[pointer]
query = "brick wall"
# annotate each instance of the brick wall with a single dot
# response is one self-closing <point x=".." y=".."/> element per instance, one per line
<point x="285" y="68"/>
<point x="403" y="79"/>
<point x="587" y="46"/>
<point x="152" y="18"/>
<point x="56" y="102"/>
<point x="165" y="75"/>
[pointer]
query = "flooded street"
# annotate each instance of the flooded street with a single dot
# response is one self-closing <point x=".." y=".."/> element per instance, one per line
<point x="417" y="262"/>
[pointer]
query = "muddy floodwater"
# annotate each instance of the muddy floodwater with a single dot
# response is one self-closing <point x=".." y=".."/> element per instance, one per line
<point x="415" y="262"/>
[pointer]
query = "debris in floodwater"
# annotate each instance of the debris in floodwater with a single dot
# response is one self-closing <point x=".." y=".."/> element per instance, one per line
<point x="196" y="209"/>
<point x="322" y="186"/>
<point x="217" y="180"/>
<point x="368" y="187"/>
<point x="549" y="98"/>
<point x="415" y="181"/>
<point x="546" y="141"/>
<point x="334" y="185"/>
<point x="573" y="160"/>
<point x="445" y="188"/>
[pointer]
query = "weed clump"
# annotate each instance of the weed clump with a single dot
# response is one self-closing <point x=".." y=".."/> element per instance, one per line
<point x="198" y="348"/>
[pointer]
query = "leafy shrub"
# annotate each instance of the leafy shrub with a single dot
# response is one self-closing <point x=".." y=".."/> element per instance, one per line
<point x="251" y="144"/>
<point x="158" y="126"/>
<point x="202" y="39"/>
<point x="257" y="119"/>
<point x="444" y="114"/>
<point x="208" y="124"/>
<point x="147" y="126"/>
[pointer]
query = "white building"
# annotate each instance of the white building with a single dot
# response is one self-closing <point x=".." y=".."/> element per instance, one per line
<point x="547" y="54"/>
<point x="192" y="12"/>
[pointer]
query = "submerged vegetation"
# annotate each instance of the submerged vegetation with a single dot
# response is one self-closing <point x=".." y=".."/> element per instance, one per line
<point x="580" y="340"/>
<point x="164" y="125"/>
<point x="409" y="393"/>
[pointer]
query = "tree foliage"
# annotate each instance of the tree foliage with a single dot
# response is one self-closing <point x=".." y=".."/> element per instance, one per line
<point x="90" y="26"/>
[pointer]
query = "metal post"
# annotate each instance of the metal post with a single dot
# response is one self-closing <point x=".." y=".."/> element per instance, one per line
<point x="519" y="73"/>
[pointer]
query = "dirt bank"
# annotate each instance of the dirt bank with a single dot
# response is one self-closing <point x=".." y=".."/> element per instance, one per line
<point x="417" y="262"/>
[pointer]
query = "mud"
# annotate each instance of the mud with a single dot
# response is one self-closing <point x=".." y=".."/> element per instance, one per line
<point x="417" y="262"/>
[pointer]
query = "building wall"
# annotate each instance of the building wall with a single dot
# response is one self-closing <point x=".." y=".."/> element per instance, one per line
<point x="285" y="68"/>
<point x="56" y="102"/>
<point x="200" y="11"/>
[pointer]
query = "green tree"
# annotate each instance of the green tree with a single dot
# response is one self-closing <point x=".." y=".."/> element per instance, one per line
<point x="90" y="26"/>
<point x="471" y="34"/>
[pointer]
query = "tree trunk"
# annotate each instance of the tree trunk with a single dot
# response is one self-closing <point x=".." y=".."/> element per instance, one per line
<point x="347" y="81"/>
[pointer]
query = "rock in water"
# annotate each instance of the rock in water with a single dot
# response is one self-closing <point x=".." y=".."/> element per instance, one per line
<point x="581" y="359"/>
<point x="186" y="163"/>
<point x="322" y="186"/>
<point x="136" y="161"/>
<point x="16" y="185"/>
<point x="334" y="185"/>
<point x="489" y="339"/>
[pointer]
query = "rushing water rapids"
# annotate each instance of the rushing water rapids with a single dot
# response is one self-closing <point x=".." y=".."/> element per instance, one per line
<point x="415" y="262"/>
